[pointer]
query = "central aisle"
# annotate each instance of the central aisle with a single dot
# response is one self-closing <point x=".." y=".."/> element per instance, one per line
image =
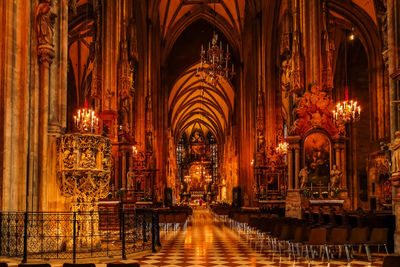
<point x="209" y="243"/>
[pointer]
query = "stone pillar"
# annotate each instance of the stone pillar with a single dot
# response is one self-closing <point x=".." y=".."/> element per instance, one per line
<point x="44" y="24"/>
<point x="293" y="199"/>
<point x="339" y="150"/>
<point x="290" y="168"/>
<point x="395" y="179"/>
<point x="123" y="169"/>
<point x="296" y="165"/>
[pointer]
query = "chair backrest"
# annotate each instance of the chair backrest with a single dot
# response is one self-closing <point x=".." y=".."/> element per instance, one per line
<point x="338" y="236"/>
<point x="300" y="234"/>
<point x="79" y="265"/>
<point x="3" y="264"/>
<point x="286" y="232"/>
<point x="378" y="236"/>
<point x="123" y="265"/>
<point x="391" y="261"/>
<point x="358" y="235"/>
<point x="161" y="218"/>
<point x="317" y="236"/>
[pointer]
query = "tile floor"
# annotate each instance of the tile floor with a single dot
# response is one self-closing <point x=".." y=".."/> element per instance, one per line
<point x="209" y="243"/>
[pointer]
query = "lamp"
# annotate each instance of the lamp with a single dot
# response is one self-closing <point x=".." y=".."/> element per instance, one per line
<point x="347" y="111"/>
<point x="86" y="120"/>
<point x="215" y="62"/>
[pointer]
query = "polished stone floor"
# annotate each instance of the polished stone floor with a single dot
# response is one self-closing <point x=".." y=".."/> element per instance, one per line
<point x="207" y="242"/>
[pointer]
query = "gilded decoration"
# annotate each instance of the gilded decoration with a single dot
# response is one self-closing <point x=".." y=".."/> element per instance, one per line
<point x="84" y="167"/>
<point x="314" y="110"/>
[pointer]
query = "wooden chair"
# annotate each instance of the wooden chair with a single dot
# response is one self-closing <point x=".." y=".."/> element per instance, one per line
<point x="378" y="238"/>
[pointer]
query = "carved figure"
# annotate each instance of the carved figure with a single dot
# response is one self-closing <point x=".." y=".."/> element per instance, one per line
<point x="336" y="175"/>
<point x="88" y="160"/>
<point x="45" y="20"/>
<point x="303" y="175"/>
<point x="69" y="159"/>
<point x="130" y="176"/>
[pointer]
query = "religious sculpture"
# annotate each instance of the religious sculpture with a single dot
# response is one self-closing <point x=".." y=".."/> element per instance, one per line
<point x="303" y="175"/>
<point x="336" y="175"/>
<point x="45" y="20"/>
<point x="130" y="176"/>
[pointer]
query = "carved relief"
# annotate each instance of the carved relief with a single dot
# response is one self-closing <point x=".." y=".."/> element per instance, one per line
<point x="314" y="109"/>
<point x="83" y="166"/>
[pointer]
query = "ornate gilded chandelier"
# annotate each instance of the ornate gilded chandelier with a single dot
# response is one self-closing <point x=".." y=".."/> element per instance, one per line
<point x="86" y="120"/>
<point x="347" y="111"/>
<point x="215" y="62"/>
<point x="282" y="147"/>
<point x="187" y="179"/>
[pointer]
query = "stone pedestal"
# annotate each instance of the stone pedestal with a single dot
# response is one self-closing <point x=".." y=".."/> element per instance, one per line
<point x="293" y="204"/>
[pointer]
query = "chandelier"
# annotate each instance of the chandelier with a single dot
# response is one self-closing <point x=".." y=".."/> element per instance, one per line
<point x="86" y="120"/>
<point x="347" y="111"/>
<point x="208" y="178"/>
<point x="187" y="179"/>
<point x="282" y="147"/>
<point x="215" y="62"/>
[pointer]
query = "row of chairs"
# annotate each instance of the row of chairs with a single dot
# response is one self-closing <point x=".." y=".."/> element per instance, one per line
<point x="296" y="236"/>
<point x="4" y="264"/>
<point x="173" y="221"/>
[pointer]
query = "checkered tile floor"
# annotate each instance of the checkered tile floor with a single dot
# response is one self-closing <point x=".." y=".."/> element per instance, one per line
<point x="208" y="243"/>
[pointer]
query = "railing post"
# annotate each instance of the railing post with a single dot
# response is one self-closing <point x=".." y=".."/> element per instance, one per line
<point x="74" y="238"/>
<point x="123" y="234"/>
<point x="144" y="227"/>
<point x="158" y="229"/>
<point x="25" y="256"/>
<point x="153" y="231"/>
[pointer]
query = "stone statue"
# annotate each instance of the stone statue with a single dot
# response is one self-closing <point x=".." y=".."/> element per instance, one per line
<point x="336" y="175"/>
<point x="45" y="20"/>
<point x="130" y="177"/>
<point x="303" y="175"/>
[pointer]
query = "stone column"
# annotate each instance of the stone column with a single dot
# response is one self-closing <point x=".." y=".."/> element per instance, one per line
<point x="290" y="168"/>
<point x="123" y="169"/>
<point x="296" y="165"/>
<point x="45" y="20"/>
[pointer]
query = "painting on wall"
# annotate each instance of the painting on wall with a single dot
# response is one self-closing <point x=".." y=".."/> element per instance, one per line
<point x="317" y="152"/>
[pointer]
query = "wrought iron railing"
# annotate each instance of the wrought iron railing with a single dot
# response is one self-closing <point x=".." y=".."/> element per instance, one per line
<point x="76" y="235"/>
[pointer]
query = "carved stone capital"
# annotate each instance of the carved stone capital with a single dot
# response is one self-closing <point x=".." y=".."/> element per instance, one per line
<point x="46" y="54"/>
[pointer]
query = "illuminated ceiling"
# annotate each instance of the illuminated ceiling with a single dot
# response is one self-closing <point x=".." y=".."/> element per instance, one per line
<point x="171" y="12"/>
<point x="368" y="6"/>
<point x="193" y="103"/>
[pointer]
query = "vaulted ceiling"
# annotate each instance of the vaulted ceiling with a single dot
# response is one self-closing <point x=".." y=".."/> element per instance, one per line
<point x="194" y="102"/>
<point x="171" y="12"/>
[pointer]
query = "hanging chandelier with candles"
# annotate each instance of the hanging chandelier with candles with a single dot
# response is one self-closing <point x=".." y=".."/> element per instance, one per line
<point x="347" y="111"/>
<point x="282" y="147"/>
<point x="86" y="120"/>
<point x="215" y="63"/>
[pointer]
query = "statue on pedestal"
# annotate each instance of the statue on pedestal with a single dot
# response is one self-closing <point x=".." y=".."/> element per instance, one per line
<point x="336" y="175"/>
<point x="130" y="177"/>
<point x="303" y="175"/>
